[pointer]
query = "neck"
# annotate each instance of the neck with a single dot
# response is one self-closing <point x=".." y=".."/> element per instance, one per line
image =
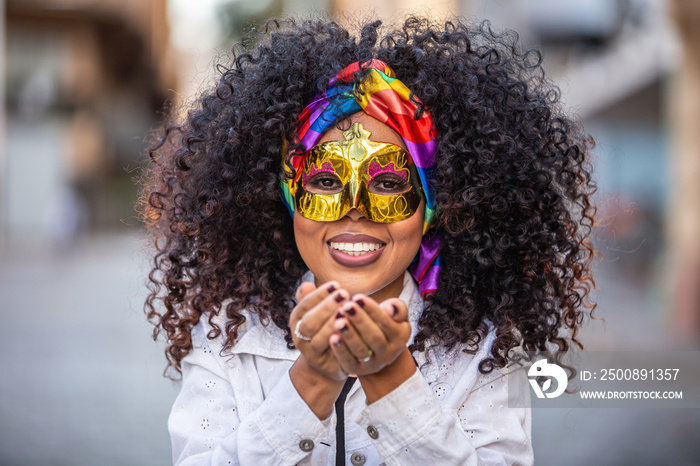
<point x="392" y="290"/>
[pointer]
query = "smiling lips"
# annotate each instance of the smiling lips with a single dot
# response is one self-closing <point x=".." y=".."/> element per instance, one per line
<point x="355" y="250"/>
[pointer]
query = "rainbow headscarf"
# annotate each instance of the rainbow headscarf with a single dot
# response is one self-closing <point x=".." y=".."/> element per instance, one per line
<point x="382" y="96"/>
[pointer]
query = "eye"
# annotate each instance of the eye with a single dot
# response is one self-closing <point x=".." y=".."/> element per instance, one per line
<point x="324" y="183"/>
<point x="388" y="184"/>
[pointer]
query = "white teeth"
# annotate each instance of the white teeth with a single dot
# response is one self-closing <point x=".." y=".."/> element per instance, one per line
<point x="355" y="249"/>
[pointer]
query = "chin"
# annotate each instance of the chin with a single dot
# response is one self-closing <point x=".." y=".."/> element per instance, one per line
<point x="377" y="287"/>
<point x="357" y="284"/>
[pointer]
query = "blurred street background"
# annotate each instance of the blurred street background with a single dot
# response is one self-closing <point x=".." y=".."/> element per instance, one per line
<point x="83" y="81"/>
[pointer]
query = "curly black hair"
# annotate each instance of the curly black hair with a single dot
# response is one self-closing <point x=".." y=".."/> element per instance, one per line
<point x="513" y="183"/>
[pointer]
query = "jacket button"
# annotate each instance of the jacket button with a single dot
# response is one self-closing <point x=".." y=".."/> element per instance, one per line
<point x="372" y="431"/>
<point x="306" y="445"/>
<point x="358" y="459"/>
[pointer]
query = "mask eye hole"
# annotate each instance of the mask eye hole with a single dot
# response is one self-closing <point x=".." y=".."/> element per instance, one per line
<point x="388" y="184"/>
<point x="323" y="183"/>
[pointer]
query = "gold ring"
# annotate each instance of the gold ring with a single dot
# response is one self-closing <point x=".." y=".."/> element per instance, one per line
<point x="366" y="358"/>
<point x="298" y="334"/>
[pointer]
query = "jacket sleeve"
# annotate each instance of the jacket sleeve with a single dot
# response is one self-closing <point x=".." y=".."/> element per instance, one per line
<point x="206" y="427"/>
<point x="411" y="428"/>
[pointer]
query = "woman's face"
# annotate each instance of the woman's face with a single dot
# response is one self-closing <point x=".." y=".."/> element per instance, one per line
<point x="381" y="252"/>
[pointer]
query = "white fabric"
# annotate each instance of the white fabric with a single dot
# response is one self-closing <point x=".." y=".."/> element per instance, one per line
<point x="241" y="408"/>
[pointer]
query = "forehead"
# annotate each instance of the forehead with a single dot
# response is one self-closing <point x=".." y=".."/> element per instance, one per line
<point x="380" y="131"/>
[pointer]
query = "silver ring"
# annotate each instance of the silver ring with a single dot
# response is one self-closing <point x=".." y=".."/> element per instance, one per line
<point x="366" y="358"/>
<point x="298" y="334"/>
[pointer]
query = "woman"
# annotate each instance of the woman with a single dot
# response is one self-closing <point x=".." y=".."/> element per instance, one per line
<point x="440" y="208"/>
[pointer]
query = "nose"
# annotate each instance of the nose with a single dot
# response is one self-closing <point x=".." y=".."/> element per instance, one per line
<point x="354" y="214"/>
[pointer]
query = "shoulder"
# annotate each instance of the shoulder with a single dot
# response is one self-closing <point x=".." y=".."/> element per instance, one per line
<point x="254" y="337"/>
<point x="438" y="362"/>
<point x="454" y="374"/>
<point x="203" y="334"/>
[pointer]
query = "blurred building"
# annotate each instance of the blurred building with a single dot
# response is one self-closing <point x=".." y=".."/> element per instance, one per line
<point x="81" y="83"/>
<point x="684" y="215"/>
<point x="84" y="80"/>
<point x="629" y="69"/>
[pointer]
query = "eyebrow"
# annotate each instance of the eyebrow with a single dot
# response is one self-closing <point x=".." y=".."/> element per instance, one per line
<point x="314" y="170"/>
<point x="375" y="168"/>
<point x="338" y="141"/>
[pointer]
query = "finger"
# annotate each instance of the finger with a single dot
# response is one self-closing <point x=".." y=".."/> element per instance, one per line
<point x="348" y="363"/>
<point x="352" y="340"/>
<point x="396" y="309"/>
<point x="387" y="316"/>
<point x="312" y="321"/>
<point x="311" y="298"/>
<point x="320" y="341"/>
<point x="364" y="325"/>
<point x="304" y="289"/>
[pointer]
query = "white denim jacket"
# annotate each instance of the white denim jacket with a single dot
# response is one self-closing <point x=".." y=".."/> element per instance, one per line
<point x="241" y="408"/>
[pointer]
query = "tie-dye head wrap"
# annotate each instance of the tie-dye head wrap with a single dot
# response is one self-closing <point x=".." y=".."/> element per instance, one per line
<point x="382" y="96"/>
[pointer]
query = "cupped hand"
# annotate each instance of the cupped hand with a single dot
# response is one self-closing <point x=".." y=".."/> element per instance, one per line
<point x="315" y="315"/>
<point x="369" y="336"/>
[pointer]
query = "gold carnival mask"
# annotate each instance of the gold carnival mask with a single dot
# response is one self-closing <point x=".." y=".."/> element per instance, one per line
<point x="376" y="178"/>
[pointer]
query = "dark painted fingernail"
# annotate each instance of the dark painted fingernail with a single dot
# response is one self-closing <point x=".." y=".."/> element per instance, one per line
<point x="331" y="288"/>
<point x="336" y="343"/>
<point x="339" y="315"/>
<point x="350" y="311"/>
<point x="396" y="310"/>
<point x="344" y="329"/>
<point x="339" y="298"/>
<point x="360" y="302"/>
